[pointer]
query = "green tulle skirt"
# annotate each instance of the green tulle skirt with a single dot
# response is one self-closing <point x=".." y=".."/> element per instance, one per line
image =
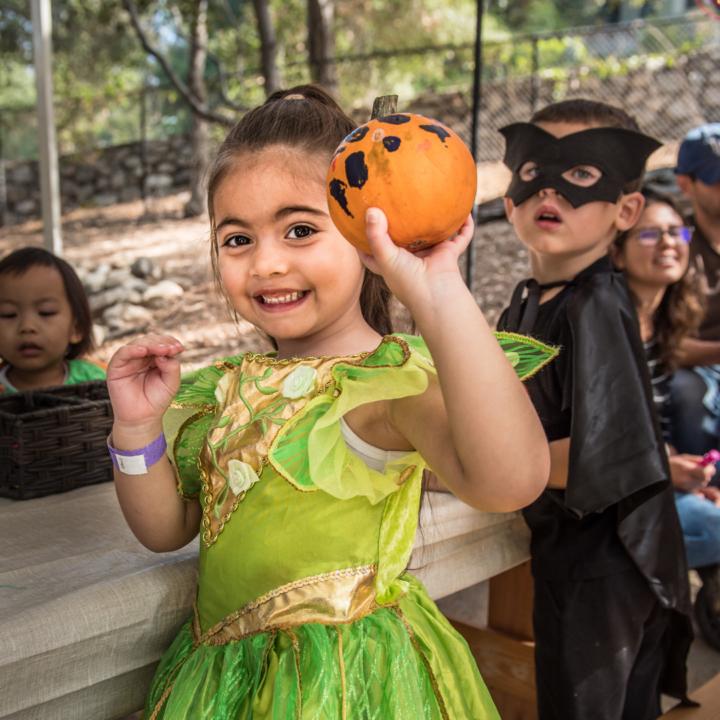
<point x="401" y="663"/>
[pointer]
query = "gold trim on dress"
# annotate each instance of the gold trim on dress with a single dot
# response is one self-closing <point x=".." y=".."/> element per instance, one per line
<point x="334" y="598"/>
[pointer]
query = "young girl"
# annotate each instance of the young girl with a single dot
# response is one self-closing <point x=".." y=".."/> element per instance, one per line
<point x="654" y="255"/>
<point x="45" y="323"/>
<point x="303" y="469"/>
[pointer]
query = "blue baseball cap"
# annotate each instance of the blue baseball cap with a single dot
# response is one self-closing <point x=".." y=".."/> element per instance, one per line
<point x="699" y="154"/>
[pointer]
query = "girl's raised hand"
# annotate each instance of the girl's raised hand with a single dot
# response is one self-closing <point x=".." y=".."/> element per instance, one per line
<point x="412" y="276"/>
<point x="143" y="378"/>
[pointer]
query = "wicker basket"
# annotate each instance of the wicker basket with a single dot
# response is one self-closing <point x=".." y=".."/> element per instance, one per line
<point x="54" y="440"/>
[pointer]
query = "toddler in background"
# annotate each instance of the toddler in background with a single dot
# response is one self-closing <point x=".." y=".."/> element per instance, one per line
<point x="45" y="323"/>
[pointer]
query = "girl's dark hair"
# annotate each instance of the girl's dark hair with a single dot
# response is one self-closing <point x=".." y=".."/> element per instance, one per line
<point x="20" y="261"/>
<point x="305" y="119"/>
<point x="682" y="307"/>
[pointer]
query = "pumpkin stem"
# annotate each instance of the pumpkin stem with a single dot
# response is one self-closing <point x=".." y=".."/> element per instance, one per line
<point x="384" y="105"/>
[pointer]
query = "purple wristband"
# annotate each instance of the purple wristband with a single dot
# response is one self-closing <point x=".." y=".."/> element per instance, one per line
<point x="137" y="462"/>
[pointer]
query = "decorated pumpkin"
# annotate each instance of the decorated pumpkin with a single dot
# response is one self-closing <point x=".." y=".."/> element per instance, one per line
<point x="416" y="170"/>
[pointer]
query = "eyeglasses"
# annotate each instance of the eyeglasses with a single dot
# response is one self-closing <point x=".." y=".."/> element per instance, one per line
<point x="652" y="236"/>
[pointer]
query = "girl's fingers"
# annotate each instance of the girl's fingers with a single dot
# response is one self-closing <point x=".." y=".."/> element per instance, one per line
<point x="384" y="249"/>
<point x="465" y="234"/>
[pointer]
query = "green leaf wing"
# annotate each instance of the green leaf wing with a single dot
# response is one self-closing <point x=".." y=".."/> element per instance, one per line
<point x="525" y="354"/>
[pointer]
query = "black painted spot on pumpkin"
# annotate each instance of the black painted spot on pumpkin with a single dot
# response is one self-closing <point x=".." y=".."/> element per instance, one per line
<point x="356" y="169"/>
<point x="438" y="130"/>
<point x="391" y="143"/>
<point x="394" y="119"/>
<point x="357" y="135"/>
<point x="337" y="191"/>
<point x="341" y="149"/>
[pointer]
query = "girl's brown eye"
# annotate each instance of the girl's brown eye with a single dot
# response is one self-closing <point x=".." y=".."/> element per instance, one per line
<point x="236" y="241"/>
<point x="301" y="232"/>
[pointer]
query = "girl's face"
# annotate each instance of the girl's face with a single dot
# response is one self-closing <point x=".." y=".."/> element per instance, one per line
<point x="36" y="321"/>
<point x="283" y="263"/>
<point x="654" y="265"/>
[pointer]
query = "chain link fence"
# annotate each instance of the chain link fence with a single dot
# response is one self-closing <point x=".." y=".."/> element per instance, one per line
<point x="664" y="72"/>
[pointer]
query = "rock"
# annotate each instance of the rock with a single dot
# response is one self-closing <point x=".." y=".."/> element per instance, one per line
<point x="117" y="181"/>
<point x="157" y="296"/>
<point x="99" y="333"/>
<point x="22" y="175"/>
<point x="16" y="193"/>
<point x="142" y="267"/>
<point x="132" y="162"/>
<point x="114" y="296"/>
<point x="26" y="207"/>
<point x="116" y="277"/>
<point x="185" y="283"/>
<point x="105" y="199"/>
<point x="135" y="285"/>
<point x="130" y="193"/>
<point x="124" y="314"/>
<point x="166" y="167"/>
<point x="182" y="177"/>
<point x="95" y="279"/>
<point x="84" y="173"/>
<point x="159" y="182"/>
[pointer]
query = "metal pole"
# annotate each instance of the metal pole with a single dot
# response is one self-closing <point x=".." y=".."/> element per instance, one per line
<point x="535" y="80"/>
<point x="143" y="140"/>
<point x="41" y="17"/>
<point x="474" y="140"/>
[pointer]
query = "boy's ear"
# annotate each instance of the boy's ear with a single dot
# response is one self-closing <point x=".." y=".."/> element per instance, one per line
<point x="630" y="208"/>
<point x="509" y="208"/>
<point x="617" y="257"/>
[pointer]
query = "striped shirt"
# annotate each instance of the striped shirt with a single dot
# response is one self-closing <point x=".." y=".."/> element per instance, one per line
<point x="660" y="378"/>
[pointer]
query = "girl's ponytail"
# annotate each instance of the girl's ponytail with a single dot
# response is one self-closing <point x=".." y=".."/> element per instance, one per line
<point x="304" y="118"/>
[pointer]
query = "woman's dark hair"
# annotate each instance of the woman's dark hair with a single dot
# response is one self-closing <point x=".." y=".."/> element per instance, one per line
<point x="682" y="307"/>
<point x="305" y="119"/>
<point x="20" y="261"/>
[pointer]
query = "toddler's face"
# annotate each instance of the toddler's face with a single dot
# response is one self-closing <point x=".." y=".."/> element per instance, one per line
<point x="549" y="225"/>
<point x="285" y="266"/>
<point x="36" y="322"/>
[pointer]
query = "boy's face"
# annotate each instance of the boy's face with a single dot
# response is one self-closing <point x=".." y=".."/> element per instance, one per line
<point x="550" y="226"/>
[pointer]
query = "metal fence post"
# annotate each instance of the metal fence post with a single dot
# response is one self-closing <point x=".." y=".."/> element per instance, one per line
<point x="143" y="141"/>
<point x="535" y="78"/>
<point x="475" y="130"/>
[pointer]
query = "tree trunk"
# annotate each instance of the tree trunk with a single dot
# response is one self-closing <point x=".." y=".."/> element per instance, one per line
<point x="268" y="46"/>
<point x="321" y="43"/>
<point x="200" y="138"/>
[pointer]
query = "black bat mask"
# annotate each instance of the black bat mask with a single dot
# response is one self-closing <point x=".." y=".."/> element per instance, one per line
<point x="618" y="153"/>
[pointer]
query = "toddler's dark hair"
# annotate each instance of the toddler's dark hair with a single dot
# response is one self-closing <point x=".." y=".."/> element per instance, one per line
<point x="304" y="118"/>
<point x="590" y="112"/>
<point x="20" y="261"/>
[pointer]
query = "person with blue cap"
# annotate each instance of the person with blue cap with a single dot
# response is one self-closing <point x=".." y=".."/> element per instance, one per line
<point x="696" y="391"/>
<point x="696" y="386"/>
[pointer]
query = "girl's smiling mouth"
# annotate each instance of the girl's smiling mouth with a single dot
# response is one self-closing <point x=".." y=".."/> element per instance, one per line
<point x="280" y="300"/>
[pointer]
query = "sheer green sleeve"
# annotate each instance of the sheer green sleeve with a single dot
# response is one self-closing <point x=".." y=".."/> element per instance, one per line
<point x="187" y="422"/>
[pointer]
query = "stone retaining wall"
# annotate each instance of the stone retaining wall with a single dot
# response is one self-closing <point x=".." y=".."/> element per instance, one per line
<point x="667" y="102"/>
<point x="111" y="176"/>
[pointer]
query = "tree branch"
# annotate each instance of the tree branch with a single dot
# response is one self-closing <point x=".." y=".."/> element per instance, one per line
<point x="196" y="106"/>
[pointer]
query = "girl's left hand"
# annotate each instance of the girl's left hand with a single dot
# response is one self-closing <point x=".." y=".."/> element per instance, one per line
<point x="413" y="276"/>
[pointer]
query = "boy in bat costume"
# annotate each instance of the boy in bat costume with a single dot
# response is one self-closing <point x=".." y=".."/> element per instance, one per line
<point x="612" y="603"/>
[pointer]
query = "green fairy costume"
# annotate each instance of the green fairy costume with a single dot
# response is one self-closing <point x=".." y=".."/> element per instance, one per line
<point x="304" y="609"/>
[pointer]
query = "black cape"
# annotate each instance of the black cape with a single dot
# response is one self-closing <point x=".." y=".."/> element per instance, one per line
<point x="618" y="468"/>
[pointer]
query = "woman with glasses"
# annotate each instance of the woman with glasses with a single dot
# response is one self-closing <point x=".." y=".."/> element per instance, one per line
<point x="654" y="255"/>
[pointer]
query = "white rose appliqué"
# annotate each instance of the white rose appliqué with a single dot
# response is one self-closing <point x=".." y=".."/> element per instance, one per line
<point x="299" y="383"/>
<point x="241" y="476"/>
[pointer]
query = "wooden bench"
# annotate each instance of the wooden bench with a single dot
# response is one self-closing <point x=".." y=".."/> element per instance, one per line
<point x="709" y="698"/>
